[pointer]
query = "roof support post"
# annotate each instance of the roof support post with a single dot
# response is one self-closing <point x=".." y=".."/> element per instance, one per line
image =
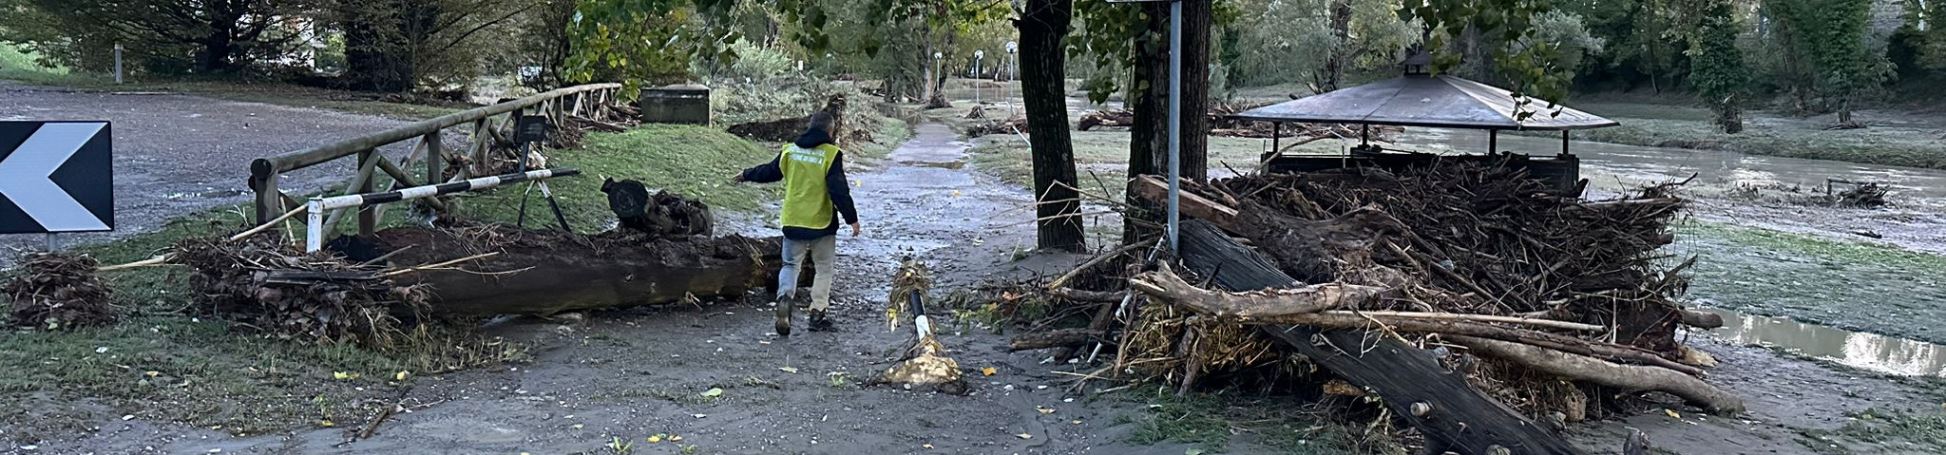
<point x="1564" y="143"/>
<point x="1493" y="141"/>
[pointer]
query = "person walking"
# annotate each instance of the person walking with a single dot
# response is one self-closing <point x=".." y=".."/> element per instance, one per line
<point x="816" y="192"/>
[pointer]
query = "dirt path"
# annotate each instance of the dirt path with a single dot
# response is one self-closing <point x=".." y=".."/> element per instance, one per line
<point x="176" y="154"/>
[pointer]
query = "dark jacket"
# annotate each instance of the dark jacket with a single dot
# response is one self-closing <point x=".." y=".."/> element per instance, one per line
<point x="835" y="184"/>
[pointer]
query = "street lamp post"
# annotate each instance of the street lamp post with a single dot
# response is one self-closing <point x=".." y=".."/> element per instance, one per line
<point x="1175" y="116"/>
<point x="978" y="55"/>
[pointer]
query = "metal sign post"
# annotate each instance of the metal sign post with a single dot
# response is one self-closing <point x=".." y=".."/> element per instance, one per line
<point x="1175" y="115"/>
<point x="56" y="177"/>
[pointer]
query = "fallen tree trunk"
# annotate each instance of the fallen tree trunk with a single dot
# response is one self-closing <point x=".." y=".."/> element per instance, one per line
<point x="1439" y="403"/>
<point x="546" y="273"/>
<point x="1064" y="338"/>
<point x="1626" y="377"/>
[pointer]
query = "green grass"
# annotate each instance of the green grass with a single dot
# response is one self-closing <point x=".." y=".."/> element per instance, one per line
<point x="18" y="64"/>
<point x="1890" y="139"/>
<point x="1850" y="285"/>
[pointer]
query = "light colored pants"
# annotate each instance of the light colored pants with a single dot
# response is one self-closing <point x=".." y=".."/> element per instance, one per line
<point x="824" y="253"/>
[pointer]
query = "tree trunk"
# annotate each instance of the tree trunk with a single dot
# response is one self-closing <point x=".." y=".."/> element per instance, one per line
<point x="1334" y="67"/>
<point x="1148" y="145"/>
<point x="553" y="273"/>
<point x="1196" y="21"/>
<point x="1043" y="70"/>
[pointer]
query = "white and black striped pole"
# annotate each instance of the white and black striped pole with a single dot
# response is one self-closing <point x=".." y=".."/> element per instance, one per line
<point x="314" y="229"/>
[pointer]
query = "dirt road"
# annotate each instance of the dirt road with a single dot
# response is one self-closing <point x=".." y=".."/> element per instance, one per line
<point x="176" y="154"/>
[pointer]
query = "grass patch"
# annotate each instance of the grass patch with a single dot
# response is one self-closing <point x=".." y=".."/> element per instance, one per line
<point x="1195" y="420"/>
<point x="1208" y="422"/>
<point x="1850" y="285"/>
<point x="18" y="64"/>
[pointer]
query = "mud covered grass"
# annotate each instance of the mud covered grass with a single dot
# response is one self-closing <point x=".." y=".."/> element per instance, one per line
<point x="1893" y="138"/>
<point x="1850" y="285"/>
<point x="1880" y="430"/>
<point x="164" y="363"/>
<point x="1208" y="423"/>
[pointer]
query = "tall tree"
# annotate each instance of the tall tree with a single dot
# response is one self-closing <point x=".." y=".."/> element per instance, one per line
<point x="1043" y="27"/>
<point x="1718" y="71"/>
<point x="1830" y="34"/>
<point x="395" y="45"/>
<point x="203" y="36"/>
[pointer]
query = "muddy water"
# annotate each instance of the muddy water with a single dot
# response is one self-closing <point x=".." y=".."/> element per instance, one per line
<point x="1866" y="351"/>
<point x="1638" y="163"/>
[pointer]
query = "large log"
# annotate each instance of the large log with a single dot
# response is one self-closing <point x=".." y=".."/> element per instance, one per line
<point x="546" y="273"/>
<point x="1440" y="404"/>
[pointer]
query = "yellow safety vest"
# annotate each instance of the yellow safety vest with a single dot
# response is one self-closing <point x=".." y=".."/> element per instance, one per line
<point x="807" y="204"/>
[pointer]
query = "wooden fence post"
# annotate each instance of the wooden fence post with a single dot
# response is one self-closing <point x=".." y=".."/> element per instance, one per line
<point x="367" y="215"/>
<point x="270" y="201"/>
<point x="435" y="158"/>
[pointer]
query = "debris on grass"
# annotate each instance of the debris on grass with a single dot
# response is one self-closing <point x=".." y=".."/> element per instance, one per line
<point x="275" y="288"/>
<point x="59" y="291"/>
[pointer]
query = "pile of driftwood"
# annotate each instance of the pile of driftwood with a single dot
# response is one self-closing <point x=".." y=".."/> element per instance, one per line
<point x="58" y="291"/>
<point x="271" y="286"/>
<point x="1012" y="125"/>
<point x="1453" y="292"/>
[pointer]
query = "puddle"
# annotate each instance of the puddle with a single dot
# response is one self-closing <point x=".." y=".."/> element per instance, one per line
<point x="1854" y="349"/>
<point x="944" y="165"/>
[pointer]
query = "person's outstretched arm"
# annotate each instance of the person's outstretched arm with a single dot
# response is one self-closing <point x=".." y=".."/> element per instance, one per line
<point x="763" y="173"/>
<point x="839" y="187"/>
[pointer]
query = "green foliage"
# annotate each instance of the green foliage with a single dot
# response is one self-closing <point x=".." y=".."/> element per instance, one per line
<point x="1571" y="37"/>
<point x="645" y="41"/>
<point x="1531" y="69"/>
<point x="163" y="36"/>
<point x="1277" y="40"/>
<point x="1829" y="37"/>
<point x="1926" y="19"/>
<point x="1719" y="75"/>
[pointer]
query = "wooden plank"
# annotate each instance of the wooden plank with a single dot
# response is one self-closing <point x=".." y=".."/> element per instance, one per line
<point x="1451" y="414"/>
<point x="1157" y="191"/>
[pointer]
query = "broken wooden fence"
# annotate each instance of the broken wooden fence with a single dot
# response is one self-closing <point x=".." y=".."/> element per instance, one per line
<point x="557" y="105"/>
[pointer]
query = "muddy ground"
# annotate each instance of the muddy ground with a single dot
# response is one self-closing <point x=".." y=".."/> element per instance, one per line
<point x="176" y="154"/>
<point x="633" y="374"/>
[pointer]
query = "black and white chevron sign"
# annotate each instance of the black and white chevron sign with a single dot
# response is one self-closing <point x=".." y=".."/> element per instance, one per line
<point x="56" y="176"/>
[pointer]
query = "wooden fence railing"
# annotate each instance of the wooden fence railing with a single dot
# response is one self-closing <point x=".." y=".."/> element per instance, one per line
<point x="558" y="105"/>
